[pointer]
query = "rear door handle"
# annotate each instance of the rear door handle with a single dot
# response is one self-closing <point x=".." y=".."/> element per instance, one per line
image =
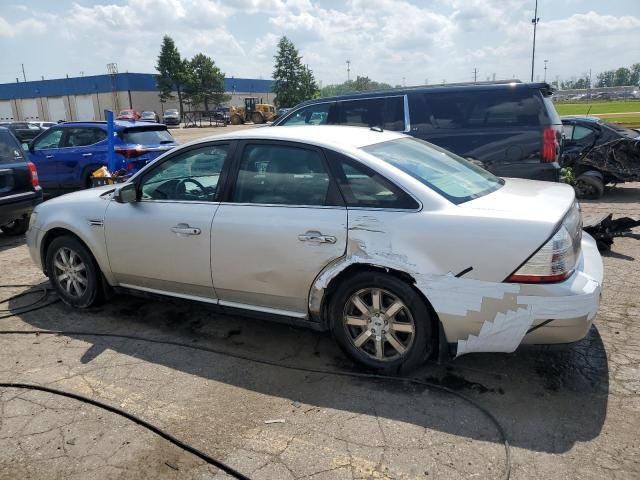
<point x="87" y="154"/>
<point x="183" y="229"/>
<point x="314" y="236"/>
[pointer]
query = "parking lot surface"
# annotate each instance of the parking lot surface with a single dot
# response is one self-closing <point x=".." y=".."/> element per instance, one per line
<point x="568" y="411"/>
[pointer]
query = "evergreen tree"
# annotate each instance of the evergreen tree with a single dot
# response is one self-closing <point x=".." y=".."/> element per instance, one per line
<point x="171" y="69"/>
<point x="292" y="81"/>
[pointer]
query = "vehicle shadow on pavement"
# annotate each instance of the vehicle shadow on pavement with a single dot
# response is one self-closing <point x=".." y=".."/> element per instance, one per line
<point x="7" y="242"/>
<point x="547" y="398"/>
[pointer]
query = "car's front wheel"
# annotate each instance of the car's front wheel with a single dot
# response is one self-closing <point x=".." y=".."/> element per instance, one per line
<point x="73" y="272"/>
<point x="381" y="322"/>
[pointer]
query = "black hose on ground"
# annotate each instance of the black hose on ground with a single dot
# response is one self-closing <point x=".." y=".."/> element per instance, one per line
<point x="322" y="371"/>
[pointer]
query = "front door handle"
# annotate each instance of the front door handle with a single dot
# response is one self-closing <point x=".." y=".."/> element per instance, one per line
<point x="87" y="154"/>
<point x="314" y="236"/>
<point x="48" y="156"/>
<point x="183" y="229"/>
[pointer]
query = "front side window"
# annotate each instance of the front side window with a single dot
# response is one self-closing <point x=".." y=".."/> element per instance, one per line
<point x="50" y="139"/>
<point x="582" y="134"/>
<point x="281" y="175"/>
<point x="312" y="115"/>
<point x="189" y="176"/>
<point x="453" y="177"/>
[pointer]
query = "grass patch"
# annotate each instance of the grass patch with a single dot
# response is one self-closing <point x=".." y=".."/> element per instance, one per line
<point x="626" y="120"/>
<point x="599" y="107"/>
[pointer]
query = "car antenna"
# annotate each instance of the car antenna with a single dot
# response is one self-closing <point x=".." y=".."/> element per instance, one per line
<point x="376" y="128"/>
<point x="589" y="109"/>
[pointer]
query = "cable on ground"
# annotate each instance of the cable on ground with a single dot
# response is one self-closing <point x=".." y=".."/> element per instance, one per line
<point x="239" y="356"/>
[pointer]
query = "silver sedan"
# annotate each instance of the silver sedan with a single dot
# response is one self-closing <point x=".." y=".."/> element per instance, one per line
<point x="403" y="250"/>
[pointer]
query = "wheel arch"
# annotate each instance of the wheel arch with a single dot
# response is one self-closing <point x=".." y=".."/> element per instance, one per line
<point x="57" y="232"/>
<point x="324" y="288"/>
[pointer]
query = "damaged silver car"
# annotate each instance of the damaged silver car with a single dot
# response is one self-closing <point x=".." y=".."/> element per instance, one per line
<point x="399" y="248"/>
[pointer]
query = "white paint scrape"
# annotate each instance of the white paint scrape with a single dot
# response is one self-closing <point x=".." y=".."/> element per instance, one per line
<point x="503" y="334"/>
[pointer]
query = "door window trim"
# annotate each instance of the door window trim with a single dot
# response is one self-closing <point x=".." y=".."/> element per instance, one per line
<point x="222" y="180"/>
<point x="333" y="200"/>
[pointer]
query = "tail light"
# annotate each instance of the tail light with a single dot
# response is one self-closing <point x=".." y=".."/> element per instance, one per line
<point x="549" y="145"/>
<point x="131" y="152"/>
<point x="33" y="173"/>
<point x="556" y="260"/>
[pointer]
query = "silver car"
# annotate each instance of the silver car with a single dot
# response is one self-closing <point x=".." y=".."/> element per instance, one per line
<point x="403" y="250"/>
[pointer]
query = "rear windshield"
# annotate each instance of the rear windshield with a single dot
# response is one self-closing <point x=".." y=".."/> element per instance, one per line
<point x="10" y="150"/>
<point x="453" y="177"/>
<point x="147" y="136"/>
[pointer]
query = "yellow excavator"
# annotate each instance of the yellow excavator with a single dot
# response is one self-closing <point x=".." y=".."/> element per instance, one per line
<point x="252" y="112"/>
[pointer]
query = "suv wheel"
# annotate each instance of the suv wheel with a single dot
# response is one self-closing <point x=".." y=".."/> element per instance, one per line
<point x="381" y="322"/>
<point x="73" y="272"/>
<point x="17" y="227"/>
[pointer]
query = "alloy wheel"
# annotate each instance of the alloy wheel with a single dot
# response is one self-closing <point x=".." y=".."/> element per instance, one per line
<point x="70" y="272"/>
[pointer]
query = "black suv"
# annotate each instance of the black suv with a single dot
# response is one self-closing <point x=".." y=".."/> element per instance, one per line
<point x="510" y="128"/>
<point x="19" y="188"/>
<point x="23" y="131"/>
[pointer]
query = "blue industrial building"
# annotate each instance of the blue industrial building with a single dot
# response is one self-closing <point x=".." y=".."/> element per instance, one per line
<point x="85" y="98"/>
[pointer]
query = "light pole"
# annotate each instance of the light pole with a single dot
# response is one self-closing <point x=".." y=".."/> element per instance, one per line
<point x="545" y="71"/>
<point x="535" y="21"/>
<point x="348" y="70"/>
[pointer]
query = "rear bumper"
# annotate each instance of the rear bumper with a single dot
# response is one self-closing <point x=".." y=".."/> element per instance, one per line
<point x="19" y="205"/>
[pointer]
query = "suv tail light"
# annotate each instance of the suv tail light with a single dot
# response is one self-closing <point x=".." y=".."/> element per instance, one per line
<point x="131" y="152"/>
<point x="556" y="260"/>
<point x="550" y="145"/>
<point x="33" y="173"/>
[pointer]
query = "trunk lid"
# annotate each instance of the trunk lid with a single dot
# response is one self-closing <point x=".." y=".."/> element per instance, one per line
<point x="546" y="202"/>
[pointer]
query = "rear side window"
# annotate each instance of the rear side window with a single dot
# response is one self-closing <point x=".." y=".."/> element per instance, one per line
<point x="83" y="137"/>
<point x="10" y="150"/>
<point x="147" y="136"/>
<point x="384" y="112"/>
<point x="281" y="175"/>
<point x="364" y="188"/>
<point x="461" y="110"/>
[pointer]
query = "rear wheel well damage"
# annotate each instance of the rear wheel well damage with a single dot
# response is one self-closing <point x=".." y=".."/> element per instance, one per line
<point x="440" y="346"/>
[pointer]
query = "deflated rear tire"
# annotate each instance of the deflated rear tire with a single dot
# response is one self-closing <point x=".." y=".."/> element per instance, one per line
<point x="381" y="322"/>
<point x="73" y="272"/>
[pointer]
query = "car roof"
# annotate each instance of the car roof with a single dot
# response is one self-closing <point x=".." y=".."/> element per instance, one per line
<point x="319" y="135"/>
<point x="119" y="124"/>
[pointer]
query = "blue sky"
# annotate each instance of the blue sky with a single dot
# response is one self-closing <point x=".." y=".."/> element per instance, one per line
<point x="394" y="41"/>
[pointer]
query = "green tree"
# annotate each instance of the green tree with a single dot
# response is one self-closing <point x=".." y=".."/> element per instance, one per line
<point x="622" y="77"/>
<point x="292" y="81"/>
<point x="204" y="81"/>
<point x="634" y="76"/>
<point x="606" y="79"/>
<point x="172" y="71"/>
<point x="360" y="84"/>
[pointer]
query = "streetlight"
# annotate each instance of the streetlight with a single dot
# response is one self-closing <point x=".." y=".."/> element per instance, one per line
<point x="545" y="71"/>
<point x="348" y="70"/>
<point x="535" y="21"/>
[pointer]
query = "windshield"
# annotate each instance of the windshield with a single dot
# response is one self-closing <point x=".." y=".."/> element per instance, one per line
<point x="147" y="136"/>
<point x="453" y="177"/>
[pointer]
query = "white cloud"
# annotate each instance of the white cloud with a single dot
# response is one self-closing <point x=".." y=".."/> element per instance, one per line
<point x="30" y="26"/>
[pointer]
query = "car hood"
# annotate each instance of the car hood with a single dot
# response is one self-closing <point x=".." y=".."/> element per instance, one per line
<point x="545" y="202"/>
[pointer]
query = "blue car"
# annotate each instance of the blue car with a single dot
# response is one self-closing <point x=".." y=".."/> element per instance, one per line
<point x="67" y="154"/>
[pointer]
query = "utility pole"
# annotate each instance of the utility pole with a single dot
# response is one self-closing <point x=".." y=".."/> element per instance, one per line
<point x="535" y="21"/>
<point x="404" y="83"/>
<point x="475" y="75"/>
<point x="348" y="70"/>
<point x="24" y="77"/>
<point x="545" y="71"/>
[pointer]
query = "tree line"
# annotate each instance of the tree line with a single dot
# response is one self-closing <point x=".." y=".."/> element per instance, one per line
<point x="619" y="77"/>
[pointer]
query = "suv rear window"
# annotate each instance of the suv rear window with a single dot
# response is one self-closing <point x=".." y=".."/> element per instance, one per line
<point x="147" y="136"/>
<point x="10" y="150"/>
<point x="451" y="176"/>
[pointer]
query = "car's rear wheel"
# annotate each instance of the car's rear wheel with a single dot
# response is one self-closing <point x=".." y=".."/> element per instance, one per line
<point x="589" y="187"/>
<point x="381" y="322"/>
<point x="73" y="272"/>
<point x="17" y="227"/>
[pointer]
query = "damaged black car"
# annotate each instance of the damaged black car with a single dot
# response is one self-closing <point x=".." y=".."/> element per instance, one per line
<point x="599" y="153"/>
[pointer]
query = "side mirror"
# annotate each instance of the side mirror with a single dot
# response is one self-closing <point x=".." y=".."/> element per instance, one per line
<point x="127" y="193"/>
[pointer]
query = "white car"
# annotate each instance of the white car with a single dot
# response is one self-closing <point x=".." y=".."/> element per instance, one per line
<point x="43" y="125"/>
<point x="401" y="249"/>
